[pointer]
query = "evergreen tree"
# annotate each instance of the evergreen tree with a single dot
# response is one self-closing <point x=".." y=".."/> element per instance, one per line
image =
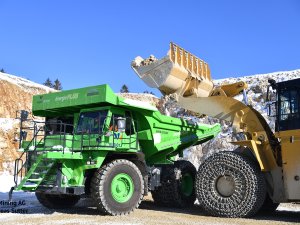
<point x="48" y="83"/>
<point x="124" y="89"/>
<point x="57" y="85"/>
<point x="2" y="70"/>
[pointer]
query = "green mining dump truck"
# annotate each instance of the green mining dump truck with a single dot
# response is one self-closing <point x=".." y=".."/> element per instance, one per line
<point x="100" y="145"/>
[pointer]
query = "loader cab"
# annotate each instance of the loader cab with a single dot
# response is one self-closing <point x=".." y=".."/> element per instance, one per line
<point x="286" y="108"/>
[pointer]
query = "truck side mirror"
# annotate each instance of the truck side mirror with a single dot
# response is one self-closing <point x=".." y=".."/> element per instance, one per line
<point x="121" y="124"/>
<point x="23" y="135"/>
<point x="24" y="115"/>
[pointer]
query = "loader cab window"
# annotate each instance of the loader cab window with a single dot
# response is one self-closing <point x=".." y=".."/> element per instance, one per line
<point x="289" y="112"/>
<point x="91" y="122"/>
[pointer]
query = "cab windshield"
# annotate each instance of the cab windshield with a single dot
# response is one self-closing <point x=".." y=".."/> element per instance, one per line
<point x="91" y="122"/>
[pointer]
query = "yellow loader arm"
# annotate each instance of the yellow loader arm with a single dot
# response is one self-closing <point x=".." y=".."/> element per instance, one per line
<point x="188" y="79"/>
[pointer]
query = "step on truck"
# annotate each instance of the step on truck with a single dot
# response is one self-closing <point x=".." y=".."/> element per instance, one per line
<point x="96" y="144"/>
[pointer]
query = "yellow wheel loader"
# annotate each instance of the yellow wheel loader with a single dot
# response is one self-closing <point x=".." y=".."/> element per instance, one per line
<point x="264" y="170"/>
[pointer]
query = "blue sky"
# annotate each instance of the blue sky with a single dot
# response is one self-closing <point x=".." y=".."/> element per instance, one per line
<point x="93" y="42"/>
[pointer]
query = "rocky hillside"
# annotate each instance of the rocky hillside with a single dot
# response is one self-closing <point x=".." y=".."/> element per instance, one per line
<point x="16" y="93"/>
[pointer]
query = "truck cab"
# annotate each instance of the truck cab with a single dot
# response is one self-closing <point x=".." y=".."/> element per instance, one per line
<point x="91" y="129"/>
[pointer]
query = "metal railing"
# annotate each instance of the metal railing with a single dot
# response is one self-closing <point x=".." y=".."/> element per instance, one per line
<point x="66" y="138"/>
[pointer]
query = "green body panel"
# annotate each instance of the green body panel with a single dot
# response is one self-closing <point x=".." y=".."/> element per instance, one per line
<point x="164" y="135"/>
<point x="158" y="137"/>
<point x="122" y="187"/>
<point x="72" y="100"/>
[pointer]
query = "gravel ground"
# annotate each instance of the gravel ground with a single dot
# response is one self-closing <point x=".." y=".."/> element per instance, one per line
<point x="29" y="211"/>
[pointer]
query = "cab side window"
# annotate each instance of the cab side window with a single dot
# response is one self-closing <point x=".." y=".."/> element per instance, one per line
<point x="129" y="130"/>
<point x="289" y="105"/>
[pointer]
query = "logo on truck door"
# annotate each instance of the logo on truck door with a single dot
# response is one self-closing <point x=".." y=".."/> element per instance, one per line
<point x="118" y="136"/>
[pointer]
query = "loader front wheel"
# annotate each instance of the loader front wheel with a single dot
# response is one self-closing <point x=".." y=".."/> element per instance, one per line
<point x="177" y="185"/>
<point x="117" y="187"/>
<point x="230" y="185"/>
<point x="56" y="201"/>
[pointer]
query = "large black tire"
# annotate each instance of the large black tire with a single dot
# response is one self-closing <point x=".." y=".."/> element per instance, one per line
<point x="230" y="185"/>
<point x="102" y="187"/>
<point x="57" y="201"/>
<point x="87" y="184"/>
<point x="269" y="206"/>
<point x="177" y="185"/>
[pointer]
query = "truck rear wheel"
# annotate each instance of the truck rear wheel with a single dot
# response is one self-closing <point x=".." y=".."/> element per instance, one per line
<point x="117" y="187"/>
<point x="177" y="185"/>
<point x="230" y="185"/>
<point x="56" y="201"/>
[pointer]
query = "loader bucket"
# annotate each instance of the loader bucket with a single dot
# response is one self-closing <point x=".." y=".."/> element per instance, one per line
<point x="178" y="72"/>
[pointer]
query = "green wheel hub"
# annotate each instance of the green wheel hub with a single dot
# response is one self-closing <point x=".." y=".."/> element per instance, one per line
<point x="122" y="187"/>
<point x="187" y="184"/>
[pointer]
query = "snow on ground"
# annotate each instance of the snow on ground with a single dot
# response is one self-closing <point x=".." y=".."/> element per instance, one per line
<point x="6" y="182"/>
<point x="22" y="202"/>
<point x="7" y="124"/>
<point x="26" y="202"/>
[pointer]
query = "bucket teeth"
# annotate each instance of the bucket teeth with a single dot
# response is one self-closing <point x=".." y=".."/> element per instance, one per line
<point x="189" y="61"/>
